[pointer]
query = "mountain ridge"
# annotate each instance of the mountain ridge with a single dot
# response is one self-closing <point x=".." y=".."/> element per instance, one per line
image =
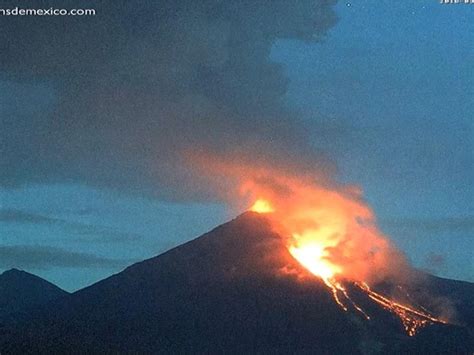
<point x="230" y="290"/>
<point x="21" y="291"/>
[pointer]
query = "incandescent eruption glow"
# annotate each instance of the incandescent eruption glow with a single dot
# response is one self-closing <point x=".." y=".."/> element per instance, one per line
<point x="332" y="234"/>
<point x="326" y="227"/>
<point x="262" y="206"/>
<point x="314" y="248"/>
<point x="330" y="231"/>
<point x="324" y="240"/>
<point x="312" y="256"/>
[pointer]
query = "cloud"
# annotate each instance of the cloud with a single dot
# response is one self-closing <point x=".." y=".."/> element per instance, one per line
<point x="142" y="82"/>
<point x="44" y="257"/>
<point x="17" y="216"/>
<point x="76" y="231"/>
<point x="435" y="261"/>
<point x="98" y="234"/>
<point x="463" y="224"/>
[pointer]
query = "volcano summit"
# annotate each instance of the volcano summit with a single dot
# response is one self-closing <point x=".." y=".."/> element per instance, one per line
<point x="236" y="289"/>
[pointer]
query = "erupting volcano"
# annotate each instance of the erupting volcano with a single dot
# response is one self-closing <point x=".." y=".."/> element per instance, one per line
<point x="237" y="289"/>
<point x="333" y="234"/>
<point x="329" y="229"/>
<point x="306" y="270"/>
<point x="315" y="246"/>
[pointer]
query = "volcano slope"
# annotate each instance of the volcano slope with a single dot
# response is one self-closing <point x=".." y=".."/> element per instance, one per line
<point x="230" y="290"/>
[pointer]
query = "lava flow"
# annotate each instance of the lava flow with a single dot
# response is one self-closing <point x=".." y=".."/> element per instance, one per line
<point x="412" y="318"/>
<point x="328" y="228"/>
<point x="332" y="234"/>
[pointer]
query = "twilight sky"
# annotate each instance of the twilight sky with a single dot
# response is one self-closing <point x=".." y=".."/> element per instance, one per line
<point x="93" y="111"/>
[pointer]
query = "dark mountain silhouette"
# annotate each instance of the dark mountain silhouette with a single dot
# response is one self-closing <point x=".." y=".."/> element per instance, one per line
<point x="228" y="291"/>
<point x="457" y="296"/>
<point x="21" y="291"/>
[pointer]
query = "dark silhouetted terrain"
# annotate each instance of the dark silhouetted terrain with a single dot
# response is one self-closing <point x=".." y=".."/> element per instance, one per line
<point x="226" y="292"/>
<point x="21" y="291"/>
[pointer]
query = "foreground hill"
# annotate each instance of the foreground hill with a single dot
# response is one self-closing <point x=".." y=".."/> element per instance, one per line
<point x="228" y="291"/>
<point x="20" y="291"/>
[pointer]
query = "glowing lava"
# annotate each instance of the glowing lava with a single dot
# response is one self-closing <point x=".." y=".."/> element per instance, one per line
<point x="262" y="206"/>
<point x="312" y="257"/>
<point x="327" y="227"/>
<point x="310" y="253"/>
<point x="321" y="242"/>
<point x="413" y="319"/>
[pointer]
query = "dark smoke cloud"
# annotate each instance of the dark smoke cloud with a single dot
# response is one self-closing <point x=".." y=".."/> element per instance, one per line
<point x="434" y="262"/>
<point x="144" y="81"/>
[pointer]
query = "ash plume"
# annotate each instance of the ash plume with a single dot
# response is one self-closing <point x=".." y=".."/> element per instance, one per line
<point x="141" y="83"/>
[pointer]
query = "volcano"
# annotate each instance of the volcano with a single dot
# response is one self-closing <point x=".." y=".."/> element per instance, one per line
<point x="236" y="289"/>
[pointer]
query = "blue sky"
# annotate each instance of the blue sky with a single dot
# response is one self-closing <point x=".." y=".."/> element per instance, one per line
<point x="387" y="95"/>
<point x="395" y="81"/>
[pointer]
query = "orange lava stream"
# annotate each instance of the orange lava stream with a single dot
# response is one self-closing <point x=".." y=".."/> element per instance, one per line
<point x="312" y="258"/>
<point x="412" y="319"/>
<point x="314" y="247"/>
<point x="327" y="226"/>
